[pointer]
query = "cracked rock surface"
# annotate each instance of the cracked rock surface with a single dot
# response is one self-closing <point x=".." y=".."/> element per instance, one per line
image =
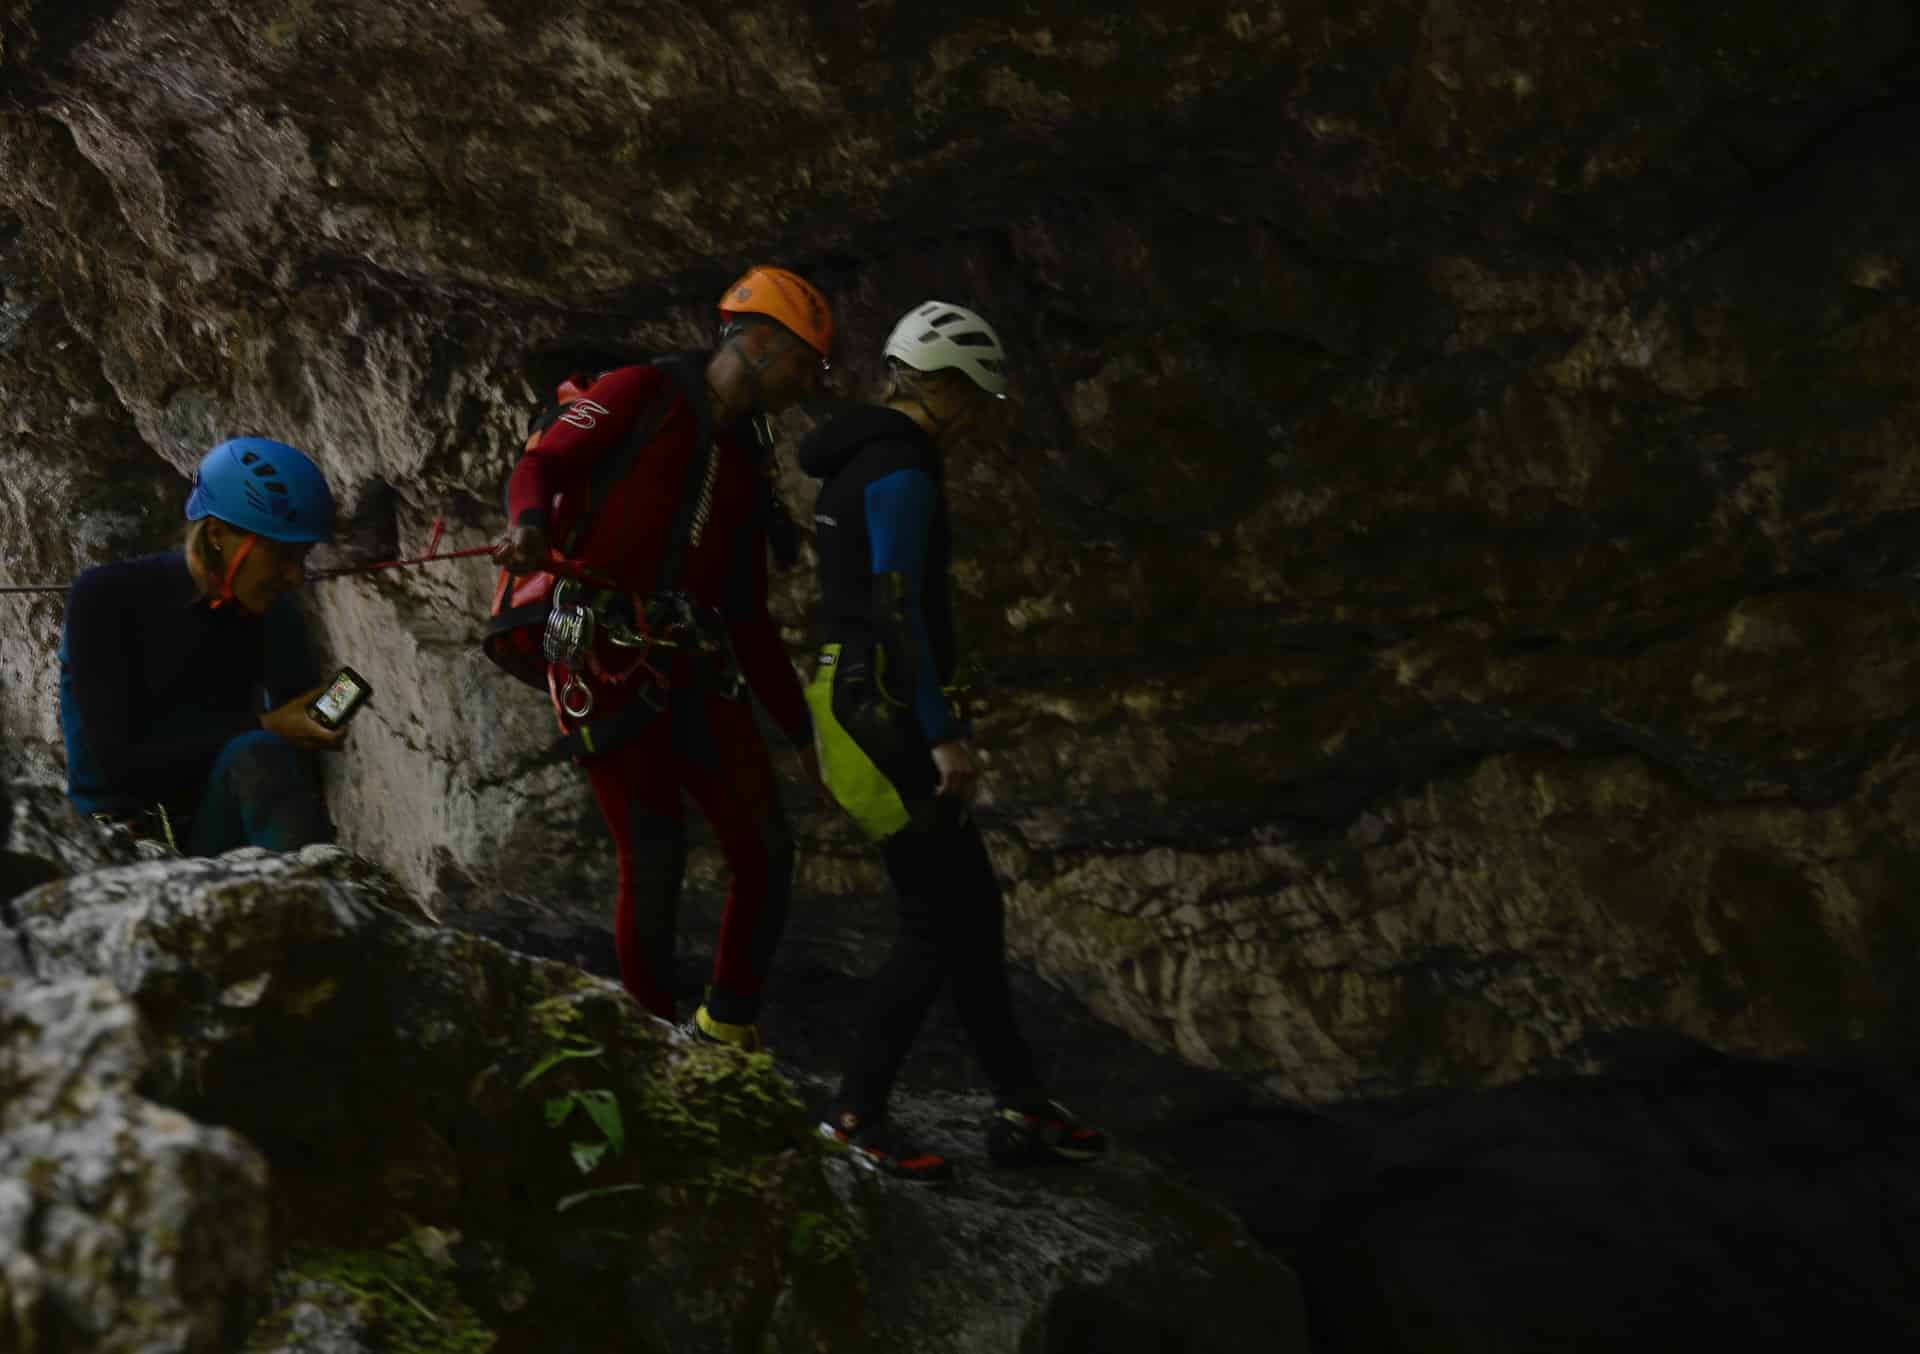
<point x="1445" y="597"/>
<point x="1444" y="594"/>
<point x="376" y="1081"/>
<point x="125" y="1226"/>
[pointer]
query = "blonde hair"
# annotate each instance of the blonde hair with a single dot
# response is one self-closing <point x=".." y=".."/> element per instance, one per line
<point x="199" y="551"/>
<point x="908" y="383"/>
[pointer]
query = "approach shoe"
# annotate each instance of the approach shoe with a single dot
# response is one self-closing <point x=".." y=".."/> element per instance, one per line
<point x="706" y="1030"/>
<point x="876" y="1149"/>
<point x="1041" y="1134"/>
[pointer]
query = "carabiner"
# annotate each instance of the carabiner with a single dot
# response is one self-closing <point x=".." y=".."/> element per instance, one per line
<point x="585" y="698"/>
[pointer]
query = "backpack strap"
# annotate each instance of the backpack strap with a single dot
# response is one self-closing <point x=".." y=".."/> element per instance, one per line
<point x="609" y="470"/>
<point x="689" y="382"/>
<point x="693" y="388"/>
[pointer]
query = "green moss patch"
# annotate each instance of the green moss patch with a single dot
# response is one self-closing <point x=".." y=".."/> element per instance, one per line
<point x="399" y="1300"/>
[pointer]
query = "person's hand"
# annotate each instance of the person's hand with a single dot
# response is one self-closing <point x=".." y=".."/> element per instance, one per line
<point x="958" y="774"/>
<point x="522" y="550"/>
<point x="292" y="722"/>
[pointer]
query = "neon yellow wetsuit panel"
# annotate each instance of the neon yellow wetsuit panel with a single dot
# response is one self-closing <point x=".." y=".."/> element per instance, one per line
<point x="853" y="778"/>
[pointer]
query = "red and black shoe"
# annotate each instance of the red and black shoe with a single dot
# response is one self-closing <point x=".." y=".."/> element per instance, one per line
<point x="875" y="1148"/>
<point x="1041" y="1133"/>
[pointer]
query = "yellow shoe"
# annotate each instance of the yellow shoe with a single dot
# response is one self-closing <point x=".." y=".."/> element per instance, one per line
<point x="710" y="1031"/>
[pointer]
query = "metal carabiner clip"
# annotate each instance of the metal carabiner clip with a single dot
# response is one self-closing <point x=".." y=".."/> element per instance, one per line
<point x="570" y="630"/>
<point x="568" y="698"/>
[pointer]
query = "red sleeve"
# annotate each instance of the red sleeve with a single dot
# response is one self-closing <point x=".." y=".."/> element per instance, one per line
<point x="756" y="639"/>
<point x="591" y="426"/>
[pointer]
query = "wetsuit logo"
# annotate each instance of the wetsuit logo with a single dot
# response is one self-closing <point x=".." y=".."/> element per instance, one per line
<point x="582" y="414"/>
<point x="825" y="520"/>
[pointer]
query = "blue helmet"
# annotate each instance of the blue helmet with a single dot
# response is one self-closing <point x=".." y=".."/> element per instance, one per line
<point x="264" y="487"/>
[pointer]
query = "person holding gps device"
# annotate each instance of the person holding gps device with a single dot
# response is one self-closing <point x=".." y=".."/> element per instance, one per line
<point x="341" y="700"/>
<point x="182" y="674"/>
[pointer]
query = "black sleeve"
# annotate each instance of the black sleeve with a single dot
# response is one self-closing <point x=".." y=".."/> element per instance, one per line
<point x="289" y="661"/>
<point x="101" y="660"/>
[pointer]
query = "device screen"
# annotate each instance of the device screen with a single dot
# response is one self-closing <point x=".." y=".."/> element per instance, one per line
<point x="340" y="699"/>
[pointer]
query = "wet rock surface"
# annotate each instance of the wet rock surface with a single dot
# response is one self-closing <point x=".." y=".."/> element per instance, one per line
<point x="1670" y="1185"/>
<point x="1445" y="596"/>
<point x="588" y="1172"/>
<point x="124" y="1225"/>
<point x="1457" y="448"/>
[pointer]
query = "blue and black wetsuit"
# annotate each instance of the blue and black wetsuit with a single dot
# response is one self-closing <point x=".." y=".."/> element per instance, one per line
<point x="160" y="701"/>
<point x="887" y="648"/>
<point x="886" y="615"/>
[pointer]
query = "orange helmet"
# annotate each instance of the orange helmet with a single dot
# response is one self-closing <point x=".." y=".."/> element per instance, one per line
<point x="786" y="297"/>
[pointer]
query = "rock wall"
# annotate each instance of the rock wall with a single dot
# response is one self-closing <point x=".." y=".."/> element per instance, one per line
<point x="1447" y="593"/>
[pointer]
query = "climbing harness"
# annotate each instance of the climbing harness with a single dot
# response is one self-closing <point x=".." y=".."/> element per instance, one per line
<point x="579" y="621"/>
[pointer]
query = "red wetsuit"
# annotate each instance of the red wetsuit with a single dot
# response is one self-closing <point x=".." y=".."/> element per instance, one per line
<point x="704" y="743"/>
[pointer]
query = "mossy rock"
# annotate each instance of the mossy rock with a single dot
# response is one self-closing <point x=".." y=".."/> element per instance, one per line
<point x="392" y="1299"/>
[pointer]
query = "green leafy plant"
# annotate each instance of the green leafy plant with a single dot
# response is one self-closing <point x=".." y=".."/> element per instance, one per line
<point x="603" y="1112"/>
<point x="601" y="1108"/>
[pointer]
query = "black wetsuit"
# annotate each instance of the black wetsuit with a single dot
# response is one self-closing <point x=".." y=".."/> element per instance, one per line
<point x="886" y="631"/>
<point x="160" y="701"/>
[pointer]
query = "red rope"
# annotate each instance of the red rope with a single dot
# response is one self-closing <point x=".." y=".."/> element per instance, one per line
<point x="319" y="575"/>
<point x="559" y="567"/>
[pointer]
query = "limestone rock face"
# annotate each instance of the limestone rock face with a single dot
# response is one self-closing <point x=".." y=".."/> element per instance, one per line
<point x="1053" y="1263"/>
<point x="77" y="486"/>
<point x="566" y="1166"/>
<point x="1513" y="919"/>
<point x="44" y="827"/>
<point x="124" y="1225"/>
<point x="1445" y="591"/>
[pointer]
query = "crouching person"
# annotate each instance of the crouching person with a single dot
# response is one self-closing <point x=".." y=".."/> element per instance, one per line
<point x="178" y="671"/>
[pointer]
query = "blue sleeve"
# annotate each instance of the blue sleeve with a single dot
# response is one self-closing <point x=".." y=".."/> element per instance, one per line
<point x="900" y="510"/>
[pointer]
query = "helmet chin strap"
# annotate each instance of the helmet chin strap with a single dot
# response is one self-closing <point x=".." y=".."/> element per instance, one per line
<point x="940" y="425"/>
<point x="233" y="570"/>
<point x="750" y="369"/>
<point x="751" y="366"/>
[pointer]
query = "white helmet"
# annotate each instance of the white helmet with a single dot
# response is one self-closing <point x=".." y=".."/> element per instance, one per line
<point x="936" y="336"/>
